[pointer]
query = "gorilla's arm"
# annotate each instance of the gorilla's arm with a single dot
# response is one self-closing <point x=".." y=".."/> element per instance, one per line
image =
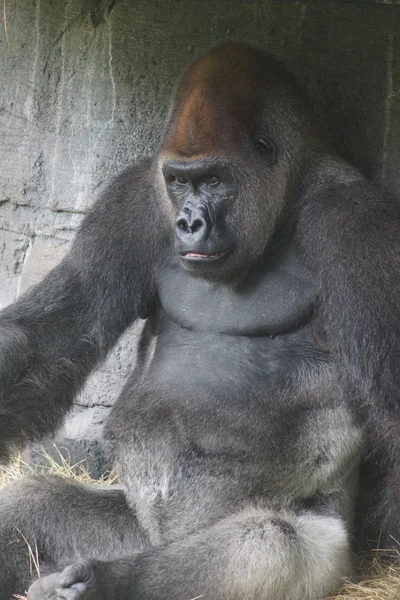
<point x="53" y="336"/>
<point x="351" y="235"/>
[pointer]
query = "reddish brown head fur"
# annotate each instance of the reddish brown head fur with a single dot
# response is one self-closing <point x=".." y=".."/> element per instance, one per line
<point x="218" y="100"/>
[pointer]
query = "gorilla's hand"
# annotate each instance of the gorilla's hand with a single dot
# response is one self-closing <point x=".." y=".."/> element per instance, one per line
<point x="76" y="582"/>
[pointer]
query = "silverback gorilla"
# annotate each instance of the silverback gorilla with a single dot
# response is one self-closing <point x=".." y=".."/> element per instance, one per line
<point x="268" y="271"/>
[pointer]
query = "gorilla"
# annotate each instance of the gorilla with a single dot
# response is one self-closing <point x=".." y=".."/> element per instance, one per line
<point x="268" y="271"/>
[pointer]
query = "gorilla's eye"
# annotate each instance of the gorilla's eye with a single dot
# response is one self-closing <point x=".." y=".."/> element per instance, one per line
<point x="212" y="180"/>
<point x="266" y="147"/>
<point x="180" y="180"/>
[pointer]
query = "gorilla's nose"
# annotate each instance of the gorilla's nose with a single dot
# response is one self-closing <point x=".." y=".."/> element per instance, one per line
<point x="192" y="225"/>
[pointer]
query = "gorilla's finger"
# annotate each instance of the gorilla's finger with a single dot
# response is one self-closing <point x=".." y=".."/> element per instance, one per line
<point x="77" y="592"/>
<point x="44" y="588"/>
<point x="80" y="571"/>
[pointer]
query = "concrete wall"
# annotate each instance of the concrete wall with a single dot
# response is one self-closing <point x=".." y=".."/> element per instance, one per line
<point x="84" y="89"/>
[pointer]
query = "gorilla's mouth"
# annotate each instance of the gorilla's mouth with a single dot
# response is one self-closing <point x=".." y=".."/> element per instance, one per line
<point x="192" y="256"/>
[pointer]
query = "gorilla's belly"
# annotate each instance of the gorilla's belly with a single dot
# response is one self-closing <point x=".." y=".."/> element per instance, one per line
<point x="216" y="420"/>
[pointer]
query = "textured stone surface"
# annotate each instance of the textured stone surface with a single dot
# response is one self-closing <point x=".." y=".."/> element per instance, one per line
<point x="13" y="249"/>
<point x="84" y="89"/>
<point x="40" y="256"/>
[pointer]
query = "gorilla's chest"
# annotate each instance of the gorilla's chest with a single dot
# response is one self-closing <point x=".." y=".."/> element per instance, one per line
<point x="233" y="344"/>
<point x="270" y="301"/>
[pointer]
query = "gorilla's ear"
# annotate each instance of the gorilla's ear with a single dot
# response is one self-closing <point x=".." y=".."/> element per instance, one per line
<point x="265" y="147"/>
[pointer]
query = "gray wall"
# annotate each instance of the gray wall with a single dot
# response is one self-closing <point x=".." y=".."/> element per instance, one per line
<point x="84" y="89"/>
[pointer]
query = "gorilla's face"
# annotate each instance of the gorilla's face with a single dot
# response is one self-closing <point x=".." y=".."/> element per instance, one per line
<point x="202" y="193"/>
<point x="220" y="212"/>
<point x="229" y="159"/>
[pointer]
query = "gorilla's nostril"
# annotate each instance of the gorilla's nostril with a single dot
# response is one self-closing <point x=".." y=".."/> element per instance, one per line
<point x="183" y="225"/>
<point x="197" y="225"/>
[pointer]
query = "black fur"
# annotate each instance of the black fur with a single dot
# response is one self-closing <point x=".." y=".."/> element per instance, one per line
<point x="269" y="276"/>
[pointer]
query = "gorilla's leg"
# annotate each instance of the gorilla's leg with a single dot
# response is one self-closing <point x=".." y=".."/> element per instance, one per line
<point x="257" y="554"/>
<point x="62" y="521"/>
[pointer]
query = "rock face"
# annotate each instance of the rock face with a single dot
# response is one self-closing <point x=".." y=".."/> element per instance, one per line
<point x="85" y="87"/>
